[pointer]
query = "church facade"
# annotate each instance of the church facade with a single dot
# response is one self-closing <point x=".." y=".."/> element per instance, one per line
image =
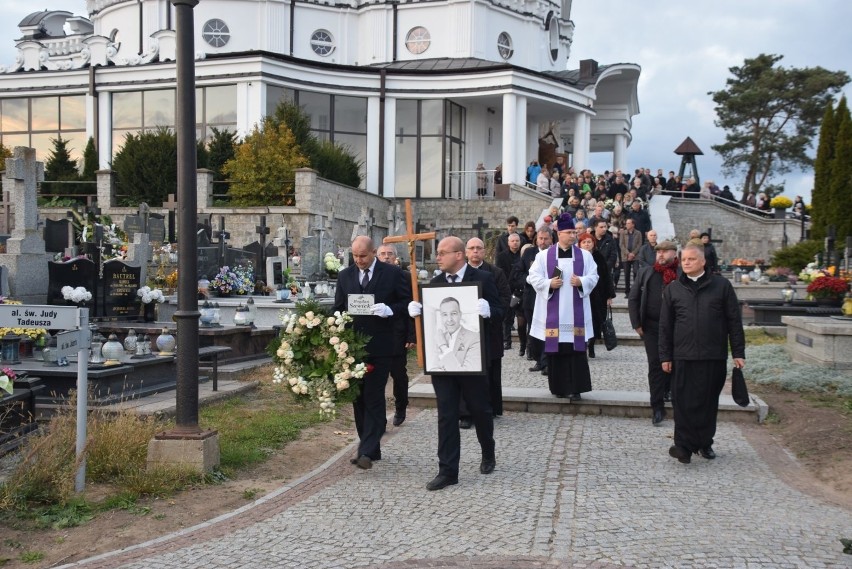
<point x="421" y="90"/>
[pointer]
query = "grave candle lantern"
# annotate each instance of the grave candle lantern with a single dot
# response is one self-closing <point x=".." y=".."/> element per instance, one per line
<point x="10" y="346"/>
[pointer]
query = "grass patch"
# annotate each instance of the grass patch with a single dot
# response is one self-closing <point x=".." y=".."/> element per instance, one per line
<point x="32" y="556"/>
<point x="252" y="427"/>
<point x="758" y="337"/>
<point x="770" y="364"/>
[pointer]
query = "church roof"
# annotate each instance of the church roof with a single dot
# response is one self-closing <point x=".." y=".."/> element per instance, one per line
<point x="575" y="78"/>
<point x="442" y="64"/>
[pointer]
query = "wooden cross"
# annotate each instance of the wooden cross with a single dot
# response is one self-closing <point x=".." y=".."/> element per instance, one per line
<point x="410" y="237"/>
<point x="171" y="206"/>
<point x="479" y="226"/>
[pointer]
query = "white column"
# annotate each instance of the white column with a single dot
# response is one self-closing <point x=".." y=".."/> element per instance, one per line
<point x="251" y="105"/>
<point x="390" y="147"/>
<point x="619" y="153"/>
<point x="510" y="137"/>
<point x="373" y="150"/>
<point x="582" y="124"/>
<point x="520" y="150"/>
<point x="104" y="130"/>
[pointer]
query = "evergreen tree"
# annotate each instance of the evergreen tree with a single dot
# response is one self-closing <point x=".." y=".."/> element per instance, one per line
<point x="332" y="161"/>
<point x="90" y="161"/>
<point x="60" y="168"/>
<point x="5" y="153"/>
<point x="262" y="170"/>
<point x="822" y="174"/>
<point x="770" y="115"/>
<point x="841" y="172"/>
<point x="220" y="149"/>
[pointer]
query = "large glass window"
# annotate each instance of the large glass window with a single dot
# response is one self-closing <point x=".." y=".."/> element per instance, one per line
<point x="318" y="107"/>
<point x="36" y="121"/>
<point x="275" y="95"/>
<point x="429" y="145"/>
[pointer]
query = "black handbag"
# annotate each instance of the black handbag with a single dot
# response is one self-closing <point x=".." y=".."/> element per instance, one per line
<point x="739" y="391"/>
<point x="610" y="339"/>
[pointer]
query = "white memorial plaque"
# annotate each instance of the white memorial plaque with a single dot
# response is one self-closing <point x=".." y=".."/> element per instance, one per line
<point x="359" y="304"/>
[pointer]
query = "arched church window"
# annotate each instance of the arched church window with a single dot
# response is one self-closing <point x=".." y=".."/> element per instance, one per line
<point x="504" y="45"/>
<point x="322" y="43"/>
<point x="216" y="32"/>
<point x="418" y="39"/>
<point x="554" y="38"/>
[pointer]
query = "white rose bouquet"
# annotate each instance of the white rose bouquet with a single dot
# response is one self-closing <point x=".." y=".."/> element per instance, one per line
<point x="77" y="295"/>
<point x="319" y="357"/>
<point x="150" y="295"/>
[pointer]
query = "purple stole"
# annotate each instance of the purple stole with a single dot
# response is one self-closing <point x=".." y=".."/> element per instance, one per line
<point x="551" y="330"/>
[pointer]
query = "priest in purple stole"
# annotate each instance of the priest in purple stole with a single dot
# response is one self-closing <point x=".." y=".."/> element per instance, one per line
<point x="563" y="276"/>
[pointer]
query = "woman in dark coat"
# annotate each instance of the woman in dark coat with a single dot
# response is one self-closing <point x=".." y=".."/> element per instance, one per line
<point x="602" y="295"/>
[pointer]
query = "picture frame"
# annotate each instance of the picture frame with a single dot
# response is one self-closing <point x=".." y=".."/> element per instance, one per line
<point x="461" y="348"/>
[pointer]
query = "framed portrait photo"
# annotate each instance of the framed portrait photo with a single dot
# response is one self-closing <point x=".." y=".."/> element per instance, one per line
<point x="453" y="333"/>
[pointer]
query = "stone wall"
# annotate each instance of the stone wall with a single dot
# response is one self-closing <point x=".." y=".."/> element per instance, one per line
<point x="743" y="235"/>
<point x="315" y="195"/>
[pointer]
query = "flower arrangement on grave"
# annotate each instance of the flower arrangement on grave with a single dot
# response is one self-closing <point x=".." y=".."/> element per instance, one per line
<point x="36" y="334"/>
<point x="77" y="295"/>
<point x="811" y="272"/>
<point x="780" y="202"/>
<point x="332" y="264"/>
<point x="172" y="280"/>
<point x="833" y="288"/>
<point x="149" y="295"/>
<point x="236" y="281"/>
<point x="319" y="357"/>
<point x="7" y="380"/>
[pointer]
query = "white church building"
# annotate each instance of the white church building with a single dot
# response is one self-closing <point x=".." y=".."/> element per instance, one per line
<point x="419" y="89"/>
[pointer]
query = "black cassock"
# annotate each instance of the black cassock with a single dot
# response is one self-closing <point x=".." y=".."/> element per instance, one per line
<point x="696" y="385"/>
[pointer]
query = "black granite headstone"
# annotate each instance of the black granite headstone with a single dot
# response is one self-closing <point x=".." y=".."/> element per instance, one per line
<point x="120" y="284"/>
<point x="208" y="262"/>
<point x="157" y="228"/>
<point x="241" y="257"/>
<point x="56" y="235"/>
<point x="257" y="251"/>
<point x="74" y="273"/>
<point x="203" y="239"/>
<point x="277" y="273"/>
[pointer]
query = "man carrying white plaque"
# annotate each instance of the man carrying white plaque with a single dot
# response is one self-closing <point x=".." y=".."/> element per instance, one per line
<point x="380" y="294"/>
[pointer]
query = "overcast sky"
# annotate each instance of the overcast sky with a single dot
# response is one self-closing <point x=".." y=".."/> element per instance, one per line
<point x="684" y="48"/>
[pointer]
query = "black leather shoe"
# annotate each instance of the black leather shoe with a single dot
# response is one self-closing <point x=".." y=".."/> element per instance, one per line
<point x="659" y="415"/>
<point x="544" y="370"/>
<point x="707" y="453"/>
<point x="522" y="351"/>
<point x="465" y="423"/>
<point x="681" y="454"/>
<point x="507" y="346"/>
<point x="364" y="462"/>
<point x="591" y="350"/>
<point x="398" y="420"/>
<point x="668" y="396"/>
<point x="530" y="357"/>
<point x="536" y="367"/>
<point x="440" y="482"/>
<point x="574" y="397"/>
<point x="487" y="465"/>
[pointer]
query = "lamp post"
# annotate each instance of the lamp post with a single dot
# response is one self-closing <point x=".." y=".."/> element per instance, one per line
<point x="181" y="444"/>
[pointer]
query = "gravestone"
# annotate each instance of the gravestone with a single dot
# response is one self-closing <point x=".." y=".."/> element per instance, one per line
<point x="282" y="242"/>
<point x="133" y="224"/>
<point x="74" y="273"/>
<point x="208" y="261"/>
<point x="310" y="256"/>
<point x="139" y="253"/>
<point x="256" y="249"/>
<point x="274" y="268"/>
<point x="25" y="255"/>
<point x="120" y="284"/>
<point x="240" y="257"/>
<point x="157" y="228"/>
<point x="4" y="281"/>
<point x="57" y="235"/>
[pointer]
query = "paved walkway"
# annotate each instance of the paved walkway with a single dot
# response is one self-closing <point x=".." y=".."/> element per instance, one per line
<point x="568" y="491"/>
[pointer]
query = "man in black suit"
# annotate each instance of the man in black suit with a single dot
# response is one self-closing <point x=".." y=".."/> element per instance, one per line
<point x="404" y="338"/>
<point x="449" y="389"/>
<point x="391" y="290"/>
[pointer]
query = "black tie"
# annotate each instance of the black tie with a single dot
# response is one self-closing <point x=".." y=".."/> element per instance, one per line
<point x="452" y="278"/>
<point x="365" y="280"/>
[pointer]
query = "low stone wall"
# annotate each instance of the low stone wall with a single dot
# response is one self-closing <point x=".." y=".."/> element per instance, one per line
<point x="743" y="235"/>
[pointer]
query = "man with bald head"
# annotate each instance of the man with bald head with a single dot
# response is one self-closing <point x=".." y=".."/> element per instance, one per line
<point x="647" y="255"/>
<point x="450" y="388"/>
<point x="391" y="291"/>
